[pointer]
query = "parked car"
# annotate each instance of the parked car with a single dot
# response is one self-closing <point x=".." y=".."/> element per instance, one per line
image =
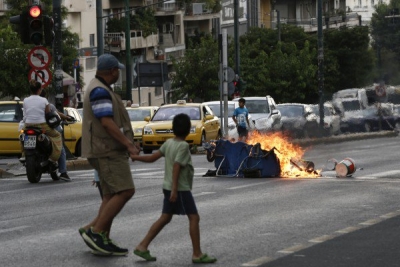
<point x="265" y="115"/>
<point x="137" y="115"/>
<point x="298" y="120"/>
<point x="11" y="113"/>
<point x="352" y="99"/>
<point x="232" y="105"/>
<point x="205" y="125"/>
<point x="374" y="118"/>
<point x="331" y="118"/>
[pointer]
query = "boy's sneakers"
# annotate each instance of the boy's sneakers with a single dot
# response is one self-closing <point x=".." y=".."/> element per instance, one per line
<point x="64" y="176"/>
<point x="100" y="244"/>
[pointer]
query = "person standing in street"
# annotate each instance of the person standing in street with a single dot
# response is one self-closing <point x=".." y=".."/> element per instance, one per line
<point x="107" y="143"/>
<point x="177" y="186"/>
<point x="241" y="119"/>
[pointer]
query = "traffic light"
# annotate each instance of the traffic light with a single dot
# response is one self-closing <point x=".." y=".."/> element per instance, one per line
<point x="35" y="22"/>
<point x="48" y="29"/>
<point x="22" y="22"/>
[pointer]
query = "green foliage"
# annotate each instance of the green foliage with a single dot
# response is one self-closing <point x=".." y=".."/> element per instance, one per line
<point x="143" y="20"/>
<point x="385" y="32"/>
<point x="286" y="70"/>
<point x="197" y="73"/>
<point x="13" y="57"/>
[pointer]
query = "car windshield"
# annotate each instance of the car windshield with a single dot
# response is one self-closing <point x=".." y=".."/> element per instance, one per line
<point x="315" y="110"/>
<point x="217" y="112"/>
<point x="351" y="105"/>
<point x="257" y="106"/>
<point x="168" y="113"/>
<point x="291" y="111"/>
<point x="138" y="114"/>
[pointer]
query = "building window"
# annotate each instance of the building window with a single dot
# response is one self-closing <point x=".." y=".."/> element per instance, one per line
<point x="91" y="38"/>
<point x="90" y="63"/>
<point x="157" y="91"/>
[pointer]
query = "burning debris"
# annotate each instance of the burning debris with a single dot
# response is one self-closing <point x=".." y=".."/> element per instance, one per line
<point x="290" y="155"/>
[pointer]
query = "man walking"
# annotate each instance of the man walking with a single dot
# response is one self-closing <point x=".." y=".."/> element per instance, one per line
<point x="107" y="143"/>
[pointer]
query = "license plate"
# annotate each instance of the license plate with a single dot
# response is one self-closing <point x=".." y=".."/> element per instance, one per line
<point x="30" y="141"/>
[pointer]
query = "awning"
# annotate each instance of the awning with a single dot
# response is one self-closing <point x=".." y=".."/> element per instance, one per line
<point x="67" y="79"/>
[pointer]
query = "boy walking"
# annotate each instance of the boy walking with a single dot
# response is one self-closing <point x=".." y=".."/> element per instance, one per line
<point x="241" y="119"/>
<point x="178" y="198"/>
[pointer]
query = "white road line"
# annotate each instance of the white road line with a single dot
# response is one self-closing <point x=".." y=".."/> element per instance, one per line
<point x="387" y="173"/>
<point x="258" y="261"/>
<point x="203" y="194"/>
<point x="246" y="185"/>
<point x="14" y="229"/>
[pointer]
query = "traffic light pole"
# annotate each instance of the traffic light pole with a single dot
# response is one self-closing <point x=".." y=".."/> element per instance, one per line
<point x="57" y="55"/>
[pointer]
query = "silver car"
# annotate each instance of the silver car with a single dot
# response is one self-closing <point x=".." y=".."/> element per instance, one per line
<point x="265" y="115"/>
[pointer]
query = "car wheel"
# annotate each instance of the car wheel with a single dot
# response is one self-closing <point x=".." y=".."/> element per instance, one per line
<point x="78" y="149"/>
<point x="367" y="127"/>
<point x="203" y="139"/>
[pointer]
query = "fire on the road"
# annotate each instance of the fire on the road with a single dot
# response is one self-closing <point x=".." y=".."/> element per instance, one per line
<point x="290" y="155"/>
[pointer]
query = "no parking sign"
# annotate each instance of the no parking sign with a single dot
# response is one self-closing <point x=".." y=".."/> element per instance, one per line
<point x="43" y="76"/>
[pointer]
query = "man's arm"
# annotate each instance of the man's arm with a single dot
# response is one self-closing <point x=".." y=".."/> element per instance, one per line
<point x="112" y="129"/>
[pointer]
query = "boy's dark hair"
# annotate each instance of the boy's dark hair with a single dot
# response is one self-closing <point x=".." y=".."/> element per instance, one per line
<point x="181" y="125"/>
<point x="242" y="100"/>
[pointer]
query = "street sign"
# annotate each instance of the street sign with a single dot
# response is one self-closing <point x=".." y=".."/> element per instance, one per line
<point x="380" y="90"/>
<point x="39" y="58"/>
<point x="43" y="76"/>
<point x="231" y="75"/>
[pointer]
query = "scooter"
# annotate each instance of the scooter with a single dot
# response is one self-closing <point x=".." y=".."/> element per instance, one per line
<point x="38" y="147"/>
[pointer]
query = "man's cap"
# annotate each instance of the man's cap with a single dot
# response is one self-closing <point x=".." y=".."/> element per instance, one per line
<point x="107" y="62"/>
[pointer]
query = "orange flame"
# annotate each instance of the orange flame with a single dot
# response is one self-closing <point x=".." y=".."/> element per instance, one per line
<point x="287" y="153"/>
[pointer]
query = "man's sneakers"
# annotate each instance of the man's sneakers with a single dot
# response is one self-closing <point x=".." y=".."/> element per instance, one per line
<point x="64" y="176"/>
<point x="100" y="244"/>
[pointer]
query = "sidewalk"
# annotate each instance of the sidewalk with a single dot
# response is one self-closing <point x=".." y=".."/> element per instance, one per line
<point x="10" y="166"/>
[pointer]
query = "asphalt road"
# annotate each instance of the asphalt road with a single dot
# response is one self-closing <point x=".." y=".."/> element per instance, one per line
<point x="324" y="221"/>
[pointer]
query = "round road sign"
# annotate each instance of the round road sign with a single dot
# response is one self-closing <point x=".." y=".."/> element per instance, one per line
<point x="380" y="90"/>
<point x="39" y="57"/>
<point x="43" y="76"/>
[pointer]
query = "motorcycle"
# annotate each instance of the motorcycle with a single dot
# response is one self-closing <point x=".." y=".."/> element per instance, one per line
<point x="38" y="147"/>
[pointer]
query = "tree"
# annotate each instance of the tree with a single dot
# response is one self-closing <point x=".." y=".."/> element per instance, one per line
<point x="196" y="75"/>
<point x="385" y="32"/>
<point x="14" y="57"/>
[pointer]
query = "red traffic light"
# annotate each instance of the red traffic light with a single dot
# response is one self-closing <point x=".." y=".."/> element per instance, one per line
<point x="35" y="11"/>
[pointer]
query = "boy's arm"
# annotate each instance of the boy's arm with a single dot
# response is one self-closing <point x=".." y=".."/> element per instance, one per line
<point x="175" y="177"/>
<point x="148" y="158"/>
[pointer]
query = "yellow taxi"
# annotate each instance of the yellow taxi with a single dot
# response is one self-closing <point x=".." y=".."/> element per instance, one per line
<point x="205" y="126"/>
<point x="137" y="115"/>
<point x="11" y="113"/>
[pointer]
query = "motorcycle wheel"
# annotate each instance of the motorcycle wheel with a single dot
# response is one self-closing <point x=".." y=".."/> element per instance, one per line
<point x="54" y="176"/>
<point x="33" y="170"/>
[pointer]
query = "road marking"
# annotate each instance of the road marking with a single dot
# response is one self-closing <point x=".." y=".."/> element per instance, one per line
<point x="321" y="239"/>
<point x="246" y="185"/>
<point x="390" y="215"/>
<point x="371" y="221"/>
<point x="258" y="261"/>
<point x="14" y="229"/>
<point x="203" y="194"/>
<point x="348" y="230"/>
<point x="293" y="249"/>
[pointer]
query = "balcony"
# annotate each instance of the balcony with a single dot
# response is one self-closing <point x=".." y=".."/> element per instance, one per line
<point x="115" y="41"/>
<point x="199" y="11"/>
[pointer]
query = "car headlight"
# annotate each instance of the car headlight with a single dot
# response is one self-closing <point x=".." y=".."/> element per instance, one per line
<point x="137" y="130"/>
<point x="193" y="129"/>
<point x="147" y="130"/>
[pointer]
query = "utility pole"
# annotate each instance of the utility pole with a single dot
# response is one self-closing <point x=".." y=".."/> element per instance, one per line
<point x="320" y="66"/>
<point x="57" y="52"/>
<point x="99" y="24"/>
<point x="128" y="64"/>
<point x="236" y="35"/>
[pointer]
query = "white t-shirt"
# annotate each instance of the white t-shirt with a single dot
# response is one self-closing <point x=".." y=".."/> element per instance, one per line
<point x="34" y="109"/>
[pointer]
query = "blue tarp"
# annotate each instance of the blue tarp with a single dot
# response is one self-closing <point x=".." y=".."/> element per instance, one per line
<point x="243" y="160"/>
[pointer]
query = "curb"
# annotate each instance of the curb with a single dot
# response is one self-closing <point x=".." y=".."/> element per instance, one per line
<point x="17" y="169"/>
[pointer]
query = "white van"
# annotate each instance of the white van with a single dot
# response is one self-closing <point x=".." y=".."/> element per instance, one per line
<point x="351" y="99"/>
